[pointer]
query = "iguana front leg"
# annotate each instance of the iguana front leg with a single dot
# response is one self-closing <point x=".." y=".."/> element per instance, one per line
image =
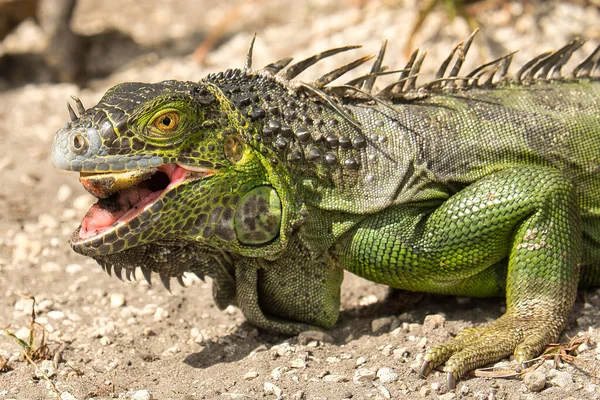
<point x="528" y="216"/>
<point x="292" y="294"/>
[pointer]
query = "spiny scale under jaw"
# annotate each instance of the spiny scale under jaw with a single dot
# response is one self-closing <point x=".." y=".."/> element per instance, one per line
<point x="130" y="275"/>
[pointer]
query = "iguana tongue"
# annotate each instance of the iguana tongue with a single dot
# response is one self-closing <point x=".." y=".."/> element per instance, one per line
<point x="106" y="212"/>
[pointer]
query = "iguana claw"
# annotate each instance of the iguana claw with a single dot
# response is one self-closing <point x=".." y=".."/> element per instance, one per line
<point x="425" y="369"/>
<point x="450" y="381"/>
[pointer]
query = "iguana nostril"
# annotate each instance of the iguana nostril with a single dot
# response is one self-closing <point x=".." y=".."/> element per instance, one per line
<point x="78" y="143"/>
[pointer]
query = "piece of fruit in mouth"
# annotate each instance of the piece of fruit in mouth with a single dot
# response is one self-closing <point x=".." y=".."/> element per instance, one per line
<point x="123" y="195"/>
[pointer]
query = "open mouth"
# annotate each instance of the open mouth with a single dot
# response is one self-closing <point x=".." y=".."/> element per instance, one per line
<point x="124" y="195"/>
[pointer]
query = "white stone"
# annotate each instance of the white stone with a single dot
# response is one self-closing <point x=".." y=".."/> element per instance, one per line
<point x="363" y="375"/>
<point x="55" y="314"/>
<point x="141" y="395"/>
<point x="117" y="300"/>
<point x="270" y="388"/>
<point x="73" y="269"/>
<point x="250" y="375"/>
<point x="63" y="193"/>
<point x="384" y="392"/>
<point x="47" y="367"/>
<point x="335" y="378"/>
<point x="160" y="314"/>
<point x="387" y="375"/>
<point x="67" y="396"/>
<point x="298" y="363"/>
<point x="535" y="381"/>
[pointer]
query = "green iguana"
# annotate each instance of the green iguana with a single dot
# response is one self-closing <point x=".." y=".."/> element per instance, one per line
<point x="474" y="185"/>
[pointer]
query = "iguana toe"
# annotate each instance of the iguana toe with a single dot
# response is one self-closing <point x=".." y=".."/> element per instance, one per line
<point x="475" y="347"/>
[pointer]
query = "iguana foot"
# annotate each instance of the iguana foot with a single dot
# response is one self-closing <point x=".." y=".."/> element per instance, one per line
<point x="471" y="348"/>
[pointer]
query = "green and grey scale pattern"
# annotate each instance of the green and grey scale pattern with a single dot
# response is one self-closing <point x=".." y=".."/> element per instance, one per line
<point x="482" y="184"/>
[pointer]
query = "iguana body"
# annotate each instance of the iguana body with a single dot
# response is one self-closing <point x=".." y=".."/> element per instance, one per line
<point x="466" y="186"/>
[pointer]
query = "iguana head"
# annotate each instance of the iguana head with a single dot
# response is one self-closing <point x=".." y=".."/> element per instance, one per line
<point x="172" y="162"/>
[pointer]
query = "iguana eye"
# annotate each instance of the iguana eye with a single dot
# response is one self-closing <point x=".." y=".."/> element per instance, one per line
<point x="167" y="121"/>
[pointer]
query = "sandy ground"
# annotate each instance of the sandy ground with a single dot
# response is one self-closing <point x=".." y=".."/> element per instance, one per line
<point x="112" y="339"/>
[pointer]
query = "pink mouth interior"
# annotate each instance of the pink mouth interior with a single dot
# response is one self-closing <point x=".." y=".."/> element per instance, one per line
<point x="125" y="205"/>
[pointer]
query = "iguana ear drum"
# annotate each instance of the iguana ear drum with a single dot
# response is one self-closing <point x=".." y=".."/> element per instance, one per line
<point x="258" y="216"/>
<point x="233" y="149"/>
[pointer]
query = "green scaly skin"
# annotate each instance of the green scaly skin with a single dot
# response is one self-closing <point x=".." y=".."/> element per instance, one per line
<point x="471" y="190"/>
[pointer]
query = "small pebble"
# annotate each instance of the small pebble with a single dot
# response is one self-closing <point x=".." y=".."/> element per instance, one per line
<point x="73" y="269"/>
<point x="160" y="314"/>
<point x="148" y="331"/>
<point x="363" y="375"/>
<point x="387" y="375"/>
<point x="270" y="388"/>
<point x="384" y="392"/>
<point x="367" y="300"/>
<point x="447" y="396"/>
<point x="562" y="379"/>
<point x="400" y="353"/>
<point x="304" y="338"/>
<point x="63" y="193"/>
<point x="335" y="378"/>
<point x="117" y="300"/>
<point x="47" y="367"/>
<point x="535" y="381"/>
<point x="250" y="375"/>
<point x="105" y="341"/>
<point x="591" y="388"/>
<point x="230" y="310"/>
<point x="360" y="361"/>
<point x="277" y="372"/>
<point x="298" y="363"/>
<point x="141" y="395"/>
<point x="432" y="322"/>
<point x="67" y="396"/>
<point x="425" y="391"/>
<point x="381" y="324"/>
<point x="299" y="395"/>
<point x="55" y="314"/>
